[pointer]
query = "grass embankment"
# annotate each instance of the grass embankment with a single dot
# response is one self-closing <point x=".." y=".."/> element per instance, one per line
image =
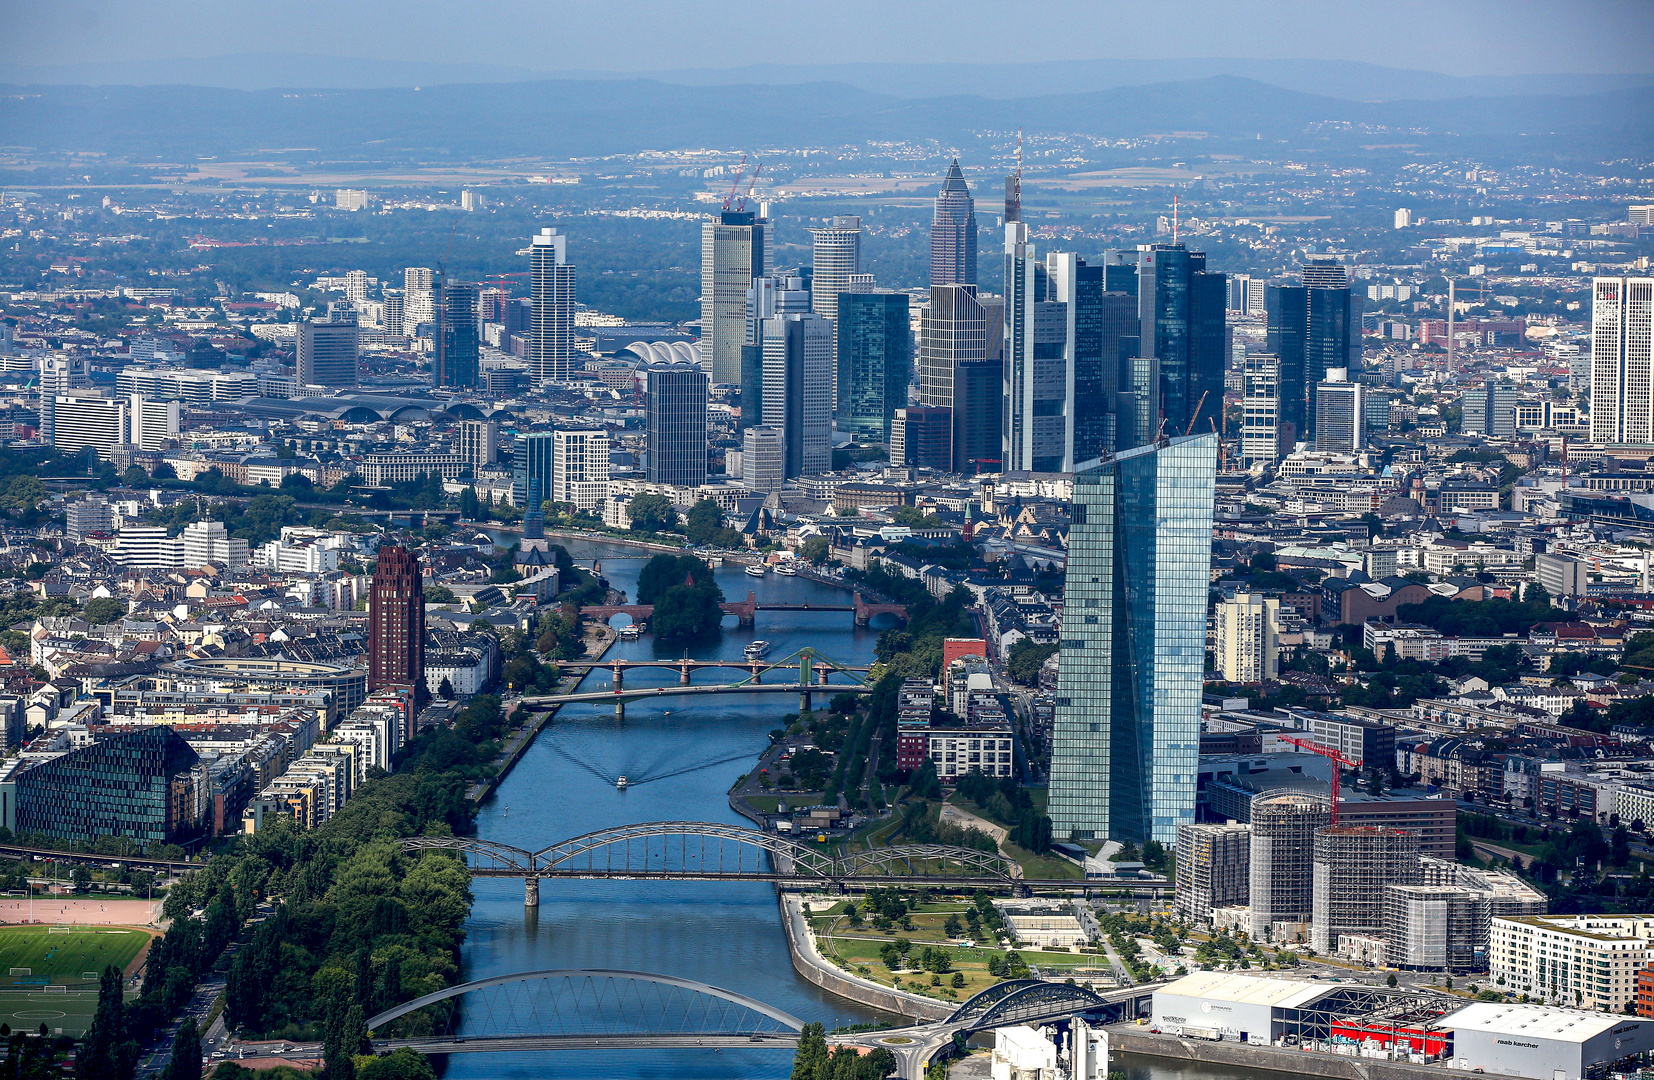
<point x="860" y="951"/>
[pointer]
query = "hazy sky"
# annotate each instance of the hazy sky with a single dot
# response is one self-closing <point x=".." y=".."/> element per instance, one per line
<point x="1466" y="37"/>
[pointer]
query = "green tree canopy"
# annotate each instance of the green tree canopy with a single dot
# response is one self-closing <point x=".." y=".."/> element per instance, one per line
<point x="103" y="610"/>
<point x="1026" y="658"/>
<point x="669" y="571"/>
<point x="652" y="513"/>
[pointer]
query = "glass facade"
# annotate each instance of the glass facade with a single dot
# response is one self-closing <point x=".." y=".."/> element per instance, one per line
<point x="675" y="407"/>
<point x="457" y="359"/>
<point x="875" y="361"/>
<point x="148" y="786"/>
<point x="1312" y="330"/>
<point x="1126" y="743"/>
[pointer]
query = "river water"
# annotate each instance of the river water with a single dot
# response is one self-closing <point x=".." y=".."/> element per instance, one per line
<point x="725" y="934"/>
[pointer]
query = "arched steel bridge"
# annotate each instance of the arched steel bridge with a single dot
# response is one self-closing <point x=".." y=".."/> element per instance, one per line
<point x="602" y="1009"/>
<point x="585" y="1009"/>
<point x="709" y="851"/>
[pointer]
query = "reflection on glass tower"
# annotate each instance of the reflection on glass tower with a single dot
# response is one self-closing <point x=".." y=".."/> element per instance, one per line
<point x="1126" y="744"/>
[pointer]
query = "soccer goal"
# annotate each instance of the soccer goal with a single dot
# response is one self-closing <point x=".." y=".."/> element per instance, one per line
<point x="22" y="971"/>
<point x="57" y="988"/>
<point x="60" y="930"/>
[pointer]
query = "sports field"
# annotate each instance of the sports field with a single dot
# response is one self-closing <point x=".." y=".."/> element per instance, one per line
<point x="33" y="959"/>
<point x="32" y="955"/>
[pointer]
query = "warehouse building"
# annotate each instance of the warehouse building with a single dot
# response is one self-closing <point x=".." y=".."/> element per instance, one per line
<point x="1543" y="1042"/>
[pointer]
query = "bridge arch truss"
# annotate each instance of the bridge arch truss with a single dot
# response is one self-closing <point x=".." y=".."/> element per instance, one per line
<point x="1017" y="1001"/>
<point x="536" y="1009"/>
<point x="712" y="850"/>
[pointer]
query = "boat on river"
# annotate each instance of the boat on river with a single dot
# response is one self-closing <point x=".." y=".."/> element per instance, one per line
<point x="755" y="570"/>
<point x="629" y="632"/>
<point x="757" y="650"/>
<point x="620" y="783"/>
<point x="786" y="569"/>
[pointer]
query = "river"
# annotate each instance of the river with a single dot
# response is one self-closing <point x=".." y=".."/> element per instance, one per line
<point x="726" y="934"/>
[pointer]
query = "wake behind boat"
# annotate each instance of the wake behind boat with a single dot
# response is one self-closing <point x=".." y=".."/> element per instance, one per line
<point x="757" y="649"/>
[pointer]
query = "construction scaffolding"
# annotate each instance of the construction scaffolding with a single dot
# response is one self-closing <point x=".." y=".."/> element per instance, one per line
<point x="1212" y="869"/>
<point x="1280" y="876"/>
<point x="1352" y="866"/>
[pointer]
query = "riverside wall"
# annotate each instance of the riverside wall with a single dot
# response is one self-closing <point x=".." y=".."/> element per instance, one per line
<point x="821" y="972"/>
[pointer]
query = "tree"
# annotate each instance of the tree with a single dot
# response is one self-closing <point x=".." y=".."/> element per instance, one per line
<point x="703" y="522"/>
<point x="810" y="1060"/>
<point x="347" y="1036"/>
<point x="108" y="1052"/>
<point x="652" y="513"/>
<point x="1026" y="658"/>
<point x="1391" y="981"/>
<point x="82" y="878"/>
<point x="103" y="610"/>
<point x="664" y="572"/>
<point x="688" y="611"/>
<point x="186" y="1053"/>
<point x="446" y="690"/>
<point x="134" y="477"/>
<point x="815" y="550"/>
<point x="404" y="1064"/>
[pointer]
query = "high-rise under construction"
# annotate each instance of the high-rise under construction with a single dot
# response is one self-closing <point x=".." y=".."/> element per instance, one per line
<point x="1352" y="866"/>
<point x="1279" y="870"/>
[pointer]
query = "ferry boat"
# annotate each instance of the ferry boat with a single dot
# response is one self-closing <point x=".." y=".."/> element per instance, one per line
<point x="786" y="569"/>
<point x="628" y="632"/>
<point x="755" y="569"/>
<point x="620" y="783"/>
<point x="758" y="649"/>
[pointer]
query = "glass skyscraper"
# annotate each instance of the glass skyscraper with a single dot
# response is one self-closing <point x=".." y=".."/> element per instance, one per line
<point x="953" y="232"/>
<point x="875" y="361"/>
<point x="1126" y="742"/>
<point x="675" y="412"/>
<point x="1182" y="314"/>
<point x="458" y="349"/>
<point x="1313" y="328"/>
<point x="732" y="255"/>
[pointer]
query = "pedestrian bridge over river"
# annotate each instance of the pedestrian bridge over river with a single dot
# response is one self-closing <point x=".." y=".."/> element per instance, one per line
<point x="575" y="1009"/>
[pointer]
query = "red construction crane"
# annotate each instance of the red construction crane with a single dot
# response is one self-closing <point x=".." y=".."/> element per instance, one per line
<point x="736" y="183"/>
<point x="1337" y="761"/>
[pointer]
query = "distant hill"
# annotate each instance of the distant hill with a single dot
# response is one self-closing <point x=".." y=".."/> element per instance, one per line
<point x="565" y="118"/>
<point x="1350" y="80"/>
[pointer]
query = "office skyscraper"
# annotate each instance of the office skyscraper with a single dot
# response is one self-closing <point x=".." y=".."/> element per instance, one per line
<point x="328" y="350"/>
<point x="551" y="335"/>
<point x="1126" y="742"/>
<point x="732" y="256"/>
<point x="953" y="232"/>
<point x="956" y="328"/>
<point x="479" y="443"/>
<point x="151" y="422"/>
<point x="978" y="415"/>
<point x="418" y="299"/>
<point x="1182" y="332"/>
<point x="798" y="390"/>
<point x="1260" y="410"/>
<point x="875" y="361"/>
<point x="763" y="459"/>
<point x="533" y="460"/>
<point x="1099" y="324"/>
<point x="580" y="467"/>
<point x="837" y="254"/>
<point x="1622" y="360"/>
<point x="1490" y="409"/>
<point x="922" y="437"/>
<point x="396" y="622"/>
<point x="1340" y="413"/>
<point x="86" y="420"/>
<point x="675" y="406"/>
<point x="458" y="349"/>
<point x="1312" y="328"/>
<point x="768" y="297"/>
<point x="1035" y="371"/>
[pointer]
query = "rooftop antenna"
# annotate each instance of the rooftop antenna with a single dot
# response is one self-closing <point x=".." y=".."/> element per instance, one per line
<point x="1174" y="219"/>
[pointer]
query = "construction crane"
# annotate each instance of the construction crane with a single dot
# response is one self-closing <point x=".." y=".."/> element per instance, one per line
<point x="751" y="187"/>
<point x="1337" y="761"/>
<point x="735" y="185"/>
<point x="1201" y="404"/>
